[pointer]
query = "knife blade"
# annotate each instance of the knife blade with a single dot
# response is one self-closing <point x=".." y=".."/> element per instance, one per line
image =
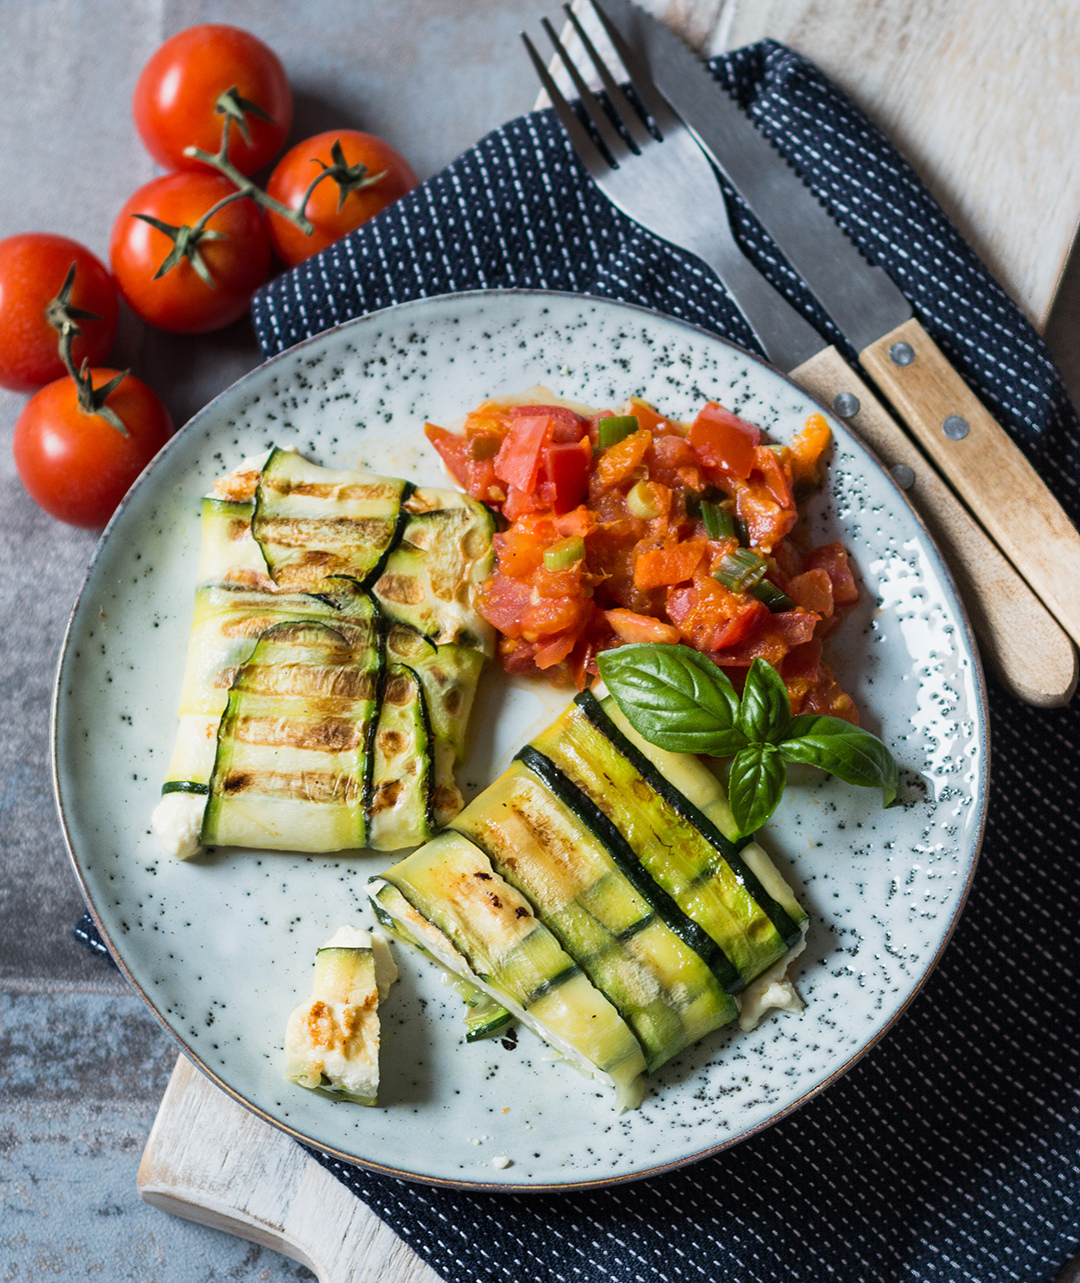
<point x="982" y="462"/>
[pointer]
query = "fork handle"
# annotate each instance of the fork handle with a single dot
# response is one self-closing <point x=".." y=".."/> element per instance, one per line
<point x="1019" y="639"/>
<point x="984" y="464"/>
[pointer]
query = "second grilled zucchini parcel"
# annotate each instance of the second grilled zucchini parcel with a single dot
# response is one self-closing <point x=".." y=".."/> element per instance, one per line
<point x="332" y="663"/>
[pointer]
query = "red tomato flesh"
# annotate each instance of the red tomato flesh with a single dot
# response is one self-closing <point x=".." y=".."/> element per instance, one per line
<point x="33" y="266"/>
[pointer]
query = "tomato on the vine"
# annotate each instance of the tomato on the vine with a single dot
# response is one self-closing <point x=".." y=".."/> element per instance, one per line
<point x="78" y="466"/>
<point x="178" y="95"/>
<point x="33" y="267"/>
<point x="338" y="205"/>
<point x="235" y="253"/>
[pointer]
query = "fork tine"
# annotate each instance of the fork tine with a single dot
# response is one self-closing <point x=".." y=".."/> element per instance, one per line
<point x="591" y="156"/>
<point x="610" y="136"/>
<point x="624" y="108"/>
<point x="655" y="104"/>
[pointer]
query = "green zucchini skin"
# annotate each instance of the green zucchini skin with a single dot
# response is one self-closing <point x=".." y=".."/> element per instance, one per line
<point x="664" y="904"/>
<point x="310" y="550"/>
<point x="312" y="522"/>
<point x="480" y="926"/>
<point x="484" y="1016"/>
<point x="296" y="732"/>
<point x="658" y="983"/>
<point x="427" y="580"/>
<point x="785" y="918"/>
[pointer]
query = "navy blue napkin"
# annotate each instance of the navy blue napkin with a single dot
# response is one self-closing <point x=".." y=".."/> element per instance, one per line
<point x="952" y="1150"/>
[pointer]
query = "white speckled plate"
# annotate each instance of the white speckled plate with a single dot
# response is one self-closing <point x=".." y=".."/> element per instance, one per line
<point x="222" y="947"/>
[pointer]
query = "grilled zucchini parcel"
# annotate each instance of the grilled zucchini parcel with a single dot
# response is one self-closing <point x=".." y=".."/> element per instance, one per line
<point x="598" y="892"/>
<point x="332" y="663"/>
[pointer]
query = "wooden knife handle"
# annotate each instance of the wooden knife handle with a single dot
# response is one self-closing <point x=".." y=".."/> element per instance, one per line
<point x="1019" y="639"/>
<point x="210" y="1160"/>
<point x="983" y="464"/>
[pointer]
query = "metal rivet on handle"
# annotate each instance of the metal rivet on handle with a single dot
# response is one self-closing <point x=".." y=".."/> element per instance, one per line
<point x="845" y="405"/>
<point x="901" y="354"/>
<point x="955" y="428"/>
<point x="903" y="476"/>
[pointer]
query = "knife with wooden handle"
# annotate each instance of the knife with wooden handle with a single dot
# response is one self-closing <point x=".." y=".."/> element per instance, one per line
<point x="982" y="462"/>
<point x="1019" y="638"/>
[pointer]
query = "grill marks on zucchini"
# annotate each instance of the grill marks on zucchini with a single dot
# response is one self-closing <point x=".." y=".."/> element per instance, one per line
<point x="581" y="866"/>
<point x="450" y="896"/>
<point x="311" y="522"/>
<point x="293" y="744"/>
<point x="660" y="986"/>
<point x="785" y="919"/>
<point x="372" y="738"/>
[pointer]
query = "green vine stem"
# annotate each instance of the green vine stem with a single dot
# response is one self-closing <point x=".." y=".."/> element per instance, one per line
<point x="235" y="109"/>
<point x="64" y="317"/>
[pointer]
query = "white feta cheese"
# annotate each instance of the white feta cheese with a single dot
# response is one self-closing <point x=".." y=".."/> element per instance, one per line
<point x="177" y="822"/>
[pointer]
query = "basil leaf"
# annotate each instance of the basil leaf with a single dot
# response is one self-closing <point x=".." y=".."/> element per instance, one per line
<point x="765" y="714"/>
<point x="756" y="785"/>
<point x="848" y="752"/>
<point x="674" y="697"/>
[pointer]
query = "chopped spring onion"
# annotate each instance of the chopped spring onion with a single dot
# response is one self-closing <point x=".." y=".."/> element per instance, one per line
<point x="742" y="532"/>
<point x="642" y="501"/>
<point x="617" y="428"/>
<point x="719" y="523"/>
<point x="562" y="555"/>
<point x="740" y="570"/>
<point x="775" y="598"/>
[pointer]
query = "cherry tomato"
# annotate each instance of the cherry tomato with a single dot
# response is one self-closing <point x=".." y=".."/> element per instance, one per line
<point x="178" y="89"/>
<point x="78" y="466"/>
<point x="181" y="301"/>
<point x="33" y="266"/>
<point x="293" y="174"/>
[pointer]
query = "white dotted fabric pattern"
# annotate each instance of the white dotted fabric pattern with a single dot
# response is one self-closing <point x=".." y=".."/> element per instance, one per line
<point x="950" y="1152"/>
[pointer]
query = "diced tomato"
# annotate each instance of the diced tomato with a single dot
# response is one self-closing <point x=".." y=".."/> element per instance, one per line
<point x="566" y="425"/>
<point x="778" y="635"/>
<point x="629" y="627"/>
<point x="503" y="603"/>
<point x="547" y="615"/>
<point x="453" y="449"/>
<point x="659" y="563"/>
<point x="723" y="440"/>
<point x="711" y="617"/>
<point x="567" y="468"/>
<point x="555" y="649"/>
<point x="516" y="656"/>
<point x="776" y="479"/>
<point x="519" y="504"/>
<point x="766" y="521"/>
<point x="519" y="457"/>
<point x="833" y="559"/>
<point x="581" y="521"/>
<point x="619" y="461"/>
<point x="518" y="554"/>
<point x="647" y="417"/>
<point x="813" y="590"/>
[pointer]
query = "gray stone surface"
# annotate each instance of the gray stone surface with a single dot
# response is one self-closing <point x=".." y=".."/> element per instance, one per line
<point x="82" y="1061"/>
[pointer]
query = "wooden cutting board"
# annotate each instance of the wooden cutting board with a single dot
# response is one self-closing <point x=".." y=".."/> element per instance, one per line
<point x="974" y="92"/>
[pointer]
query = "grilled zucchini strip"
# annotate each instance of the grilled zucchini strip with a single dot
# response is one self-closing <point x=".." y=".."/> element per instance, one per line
<point x="293" y="764"/>
<point x="313" y="522"/>
<point x="662" y="988"/>
<point x="450" y="897"/>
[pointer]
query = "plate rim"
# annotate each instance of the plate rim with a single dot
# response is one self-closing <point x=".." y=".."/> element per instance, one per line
<point x="382" y="1169"/>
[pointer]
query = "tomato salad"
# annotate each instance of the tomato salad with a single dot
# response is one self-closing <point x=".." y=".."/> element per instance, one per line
<point x="629" y="526"/>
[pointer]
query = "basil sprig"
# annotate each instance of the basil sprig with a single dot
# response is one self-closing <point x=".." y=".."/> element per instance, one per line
<point x="679" y="700"/>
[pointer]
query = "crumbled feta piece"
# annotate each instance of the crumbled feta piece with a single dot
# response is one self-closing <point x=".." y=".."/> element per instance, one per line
<point x="177" y="822"/>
